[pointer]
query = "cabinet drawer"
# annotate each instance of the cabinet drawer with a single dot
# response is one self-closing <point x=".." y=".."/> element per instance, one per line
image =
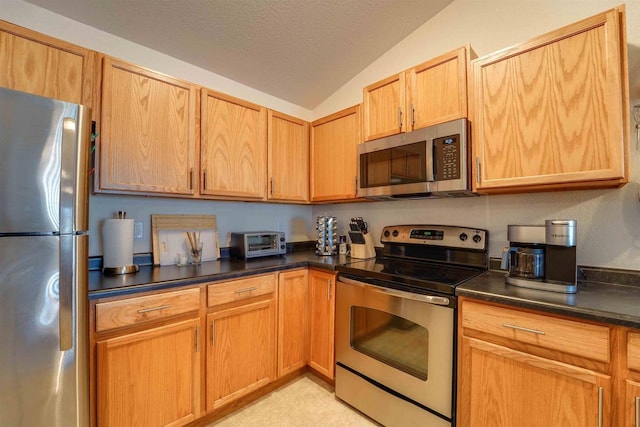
<point x="633" y="351"/>
<point x="131" y="311"/>
<point x="572" y="337"/>
<point x="236" y="290"/>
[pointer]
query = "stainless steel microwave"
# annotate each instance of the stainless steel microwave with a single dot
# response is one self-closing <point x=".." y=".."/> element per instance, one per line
<point x="429" y="162"/>
<point x="253" y="244"/>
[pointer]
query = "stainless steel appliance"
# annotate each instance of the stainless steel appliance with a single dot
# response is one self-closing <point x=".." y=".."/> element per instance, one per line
<point x="542" y="256"/>
<point x="44" y="159"/>
<point x="395" y="323"/>
<point x="430" y="162"/>
<point x="254" y="244"/>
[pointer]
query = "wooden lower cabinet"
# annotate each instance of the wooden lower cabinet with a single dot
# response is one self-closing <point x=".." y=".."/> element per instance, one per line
<point x="322" y="287"/>
<point x="293" y="320"/>
<point x="240" y="351"/>
<point x="505" y="387"/>
<point x="149" y="378"/>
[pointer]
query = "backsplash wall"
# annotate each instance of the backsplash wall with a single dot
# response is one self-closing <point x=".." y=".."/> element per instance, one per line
<point x="294" y="220"/>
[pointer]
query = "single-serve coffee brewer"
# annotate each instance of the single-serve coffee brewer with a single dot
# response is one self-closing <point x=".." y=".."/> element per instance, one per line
<point x="542" y="256"/>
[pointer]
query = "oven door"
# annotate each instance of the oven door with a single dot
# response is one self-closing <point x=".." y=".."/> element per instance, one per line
<point x="401" y="340"/>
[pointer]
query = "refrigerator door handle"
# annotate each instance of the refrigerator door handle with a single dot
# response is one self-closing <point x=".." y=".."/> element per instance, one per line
<point x="66" y="281"/>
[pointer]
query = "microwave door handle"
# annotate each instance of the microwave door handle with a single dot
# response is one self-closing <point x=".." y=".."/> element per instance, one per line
<point x="431" y="164"/>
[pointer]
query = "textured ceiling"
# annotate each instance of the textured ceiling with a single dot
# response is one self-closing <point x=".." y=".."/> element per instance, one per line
<point x="297" y="50"/>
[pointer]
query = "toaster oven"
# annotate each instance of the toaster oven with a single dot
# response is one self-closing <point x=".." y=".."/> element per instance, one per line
<point x="253" y="244"/>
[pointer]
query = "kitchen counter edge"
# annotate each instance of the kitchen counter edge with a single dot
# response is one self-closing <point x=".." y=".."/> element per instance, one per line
<point x="611" y="303"/>
<point x="152" y="278"/>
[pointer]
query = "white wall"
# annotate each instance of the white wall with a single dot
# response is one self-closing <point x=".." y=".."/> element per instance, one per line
<point x="608" y="220"/>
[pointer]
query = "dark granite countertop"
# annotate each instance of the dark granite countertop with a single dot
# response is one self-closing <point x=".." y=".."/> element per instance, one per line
<point x="616" y="301"/>
<point x="165" y="277"/>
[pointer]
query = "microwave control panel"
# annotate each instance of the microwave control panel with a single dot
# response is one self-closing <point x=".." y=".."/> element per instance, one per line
<point x="447" y="157"/>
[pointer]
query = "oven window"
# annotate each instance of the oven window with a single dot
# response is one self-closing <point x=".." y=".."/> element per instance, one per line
<point x="394" y="166"/>
<point x="390" y="339"/>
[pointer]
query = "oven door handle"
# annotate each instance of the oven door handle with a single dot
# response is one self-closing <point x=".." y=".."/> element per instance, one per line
<point x="430" y="299"/>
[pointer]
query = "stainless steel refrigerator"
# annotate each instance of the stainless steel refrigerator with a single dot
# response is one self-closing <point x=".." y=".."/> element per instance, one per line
<point x="44" y="181"/>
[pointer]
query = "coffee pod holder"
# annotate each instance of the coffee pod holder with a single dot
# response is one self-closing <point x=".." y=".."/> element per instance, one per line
<point x="363" y="251"/>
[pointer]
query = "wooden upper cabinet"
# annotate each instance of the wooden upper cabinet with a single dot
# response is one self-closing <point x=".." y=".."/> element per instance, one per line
<point x="147" y="132"/>
<point x="233" y="147"/>
<point x="384" y="107"/>
<point x="334" y="156"/>
<point x="41" y="65"/>
<point x="437" y="89"/>
<point x="552" y="113"/>
<point x="288" y="166"/>
<point x="430" y="93"/>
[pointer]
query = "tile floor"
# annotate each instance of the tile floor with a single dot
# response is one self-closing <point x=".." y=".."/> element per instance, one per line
<point x="304" y="402"/>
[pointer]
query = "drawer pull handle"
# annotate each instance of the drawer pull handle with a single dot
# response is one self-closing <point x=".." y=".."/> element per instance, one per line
<point x="520" y="328"/>
<point x="160" y="307"/>
<point x="240" y="291"/>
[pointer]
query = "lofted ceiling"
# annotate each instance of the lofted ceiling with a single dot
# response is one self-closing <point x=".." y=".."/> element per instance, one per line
<point x="300" y="51"/>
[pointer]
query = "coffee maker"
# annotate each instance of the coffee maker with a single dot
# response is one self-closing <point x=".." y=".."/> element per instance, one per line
<point x="542" y="256"/>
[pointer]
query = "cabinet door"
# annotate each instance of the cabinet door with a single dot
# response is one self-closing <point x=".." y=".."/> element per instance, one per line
<point x="34" y="63"/>
<point x="334" y="156"/>
<point x="149" y="378"/>
<point x="437" y="90"/>
<point x="632" y="404"/>
<point x="233" y="147"/>
<point x="552" y="113"/>
<point x="293" y="320"/>
<point x="147" y="134"/>
<point x="499" y="386"/>
<point x="241" y="351"/>
<point x="288" y="140"/>
<point x="321" y="321"/>
<point x="384" y="108"/>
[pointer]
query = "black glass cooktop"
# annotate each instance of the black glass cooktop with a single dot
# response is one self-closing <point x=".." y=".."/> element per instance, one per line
<point x="411" y="276"/>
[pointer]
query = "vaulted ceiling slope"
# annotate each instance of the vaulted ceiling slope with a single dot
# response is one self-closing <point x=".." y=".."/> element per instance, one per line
<point x="300" y="51"/>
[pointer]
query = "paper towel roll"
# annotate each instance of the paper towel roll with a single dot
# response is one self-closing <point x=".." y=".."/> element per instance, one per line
<point x="117" y="243"/>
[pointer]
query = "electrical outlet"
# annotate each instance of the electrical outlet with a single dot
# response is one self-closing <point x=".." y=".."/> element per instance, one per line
<point x="137" y="229"/>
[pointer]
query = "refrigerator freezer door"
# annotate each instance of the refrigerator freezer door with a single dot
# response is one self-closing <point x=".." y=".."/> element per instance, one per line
<point x="42" y="385"/>
<point x="44" y="159"/>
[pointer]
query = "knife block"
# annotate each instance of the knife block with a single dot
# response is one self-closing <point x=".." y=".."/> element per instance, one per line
<point x="363" y="251"/>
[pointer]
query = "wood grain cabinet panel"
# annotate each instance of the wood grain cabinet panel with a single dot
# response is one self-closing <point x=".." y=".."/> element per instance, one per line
<point x="322" y="310"/>
<point x="241" y="351"/>
<point x="293" y="320"/>
<point x="41" y="65"/>
<point x="132" y="311"/>
<point x="288" y="165"/>
<point x="334" y="156"/>
<point x="514" y="369"/>
<point x="427" y="94"/>
<point x="568" y="336"/>
<point x="240" y="289"/>
<point x="233" y="151"/>
<point x="147" y="133"/>
<point x="552" y="113"/>
<point x="505" y="387"/>
<point x="149" y="378"/>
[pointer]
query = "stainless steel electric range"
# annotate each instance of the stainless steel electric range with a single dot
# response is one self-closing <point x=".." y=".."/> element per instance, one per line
<point x="396" y="323"/>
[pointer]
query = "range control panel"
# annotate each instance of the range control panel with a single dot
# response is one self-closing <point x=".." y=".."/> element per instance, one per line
<point x="436" y="235"/>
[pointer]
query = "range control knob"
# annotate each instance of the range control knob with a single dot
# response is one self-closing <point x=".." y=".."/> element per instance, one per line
<point x="386" y="233"/>
<point x="463" y="236"/>
<point x="477" y="238"/>
<point x="395" y="233"/>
